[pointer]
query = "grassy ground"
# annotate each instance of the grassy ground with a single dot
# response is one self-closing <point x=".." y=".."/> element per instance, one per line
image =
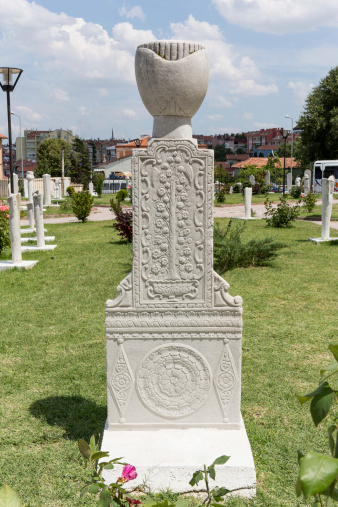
<point x="53" y="360"/>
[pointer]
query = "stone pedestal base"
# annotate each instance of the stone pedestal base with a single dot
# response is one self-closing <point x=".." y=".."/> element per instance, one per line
<point x="47" y="238"/>
<point x="30" y="230"/>
<point x="32" y="248"/>
<point x="10" y="264"/>
<point x="319" y="240"/>
<point x="167" y="458"/>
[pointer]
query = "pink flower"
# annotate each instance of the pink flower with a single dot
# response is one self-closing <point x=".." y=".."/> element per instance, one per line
<point x="129" y="473"/>
<point x="132" y="501"/>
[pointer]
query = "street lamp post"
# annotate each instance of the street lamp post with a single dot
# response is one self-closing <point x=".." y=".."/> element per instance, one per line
<point x="20" y="144"/>
<point x="8" y="79"/>
<point x="285" y="135"/>
<point x="287" y="116"/>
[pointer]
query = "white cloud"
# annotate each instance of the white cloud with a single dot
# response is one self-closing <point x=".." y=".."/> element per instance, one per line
<point x="27" y="114"/>
<point x="215" y="117"/>
<point x="129" y="112"/>
<point x="134" y="12"/>
<point x="248" y="116"/>
<point x="225" y="130"/>
<point x="59" y="95"/>
<point x="262" y="125"/>
<point x="222" y="102"/>
<point x="129" y="38"/>
<point x="300" y="90"/>
<point x="279" y="16"/>
<point x="226" y="64"/>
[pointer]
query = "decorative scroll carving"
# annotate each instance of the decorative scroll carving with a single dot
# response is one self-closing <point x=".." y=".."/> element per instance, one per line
<point x="226" y="378"/>
<point x="124" y="297"/>
<point x="221" y="295"/>
<point x="172" y="229"/>
<point x="122" y="381"/>
<point x="174" y="380"/>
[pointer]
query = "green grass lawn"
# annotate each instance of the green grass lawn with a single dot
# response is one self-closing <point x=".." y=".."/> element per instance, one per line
<point x="53" y="358"/>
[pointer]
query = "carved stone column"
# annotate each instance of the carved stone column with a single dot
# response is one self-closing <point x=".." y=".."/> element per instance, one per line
<point x="174" y="332"/>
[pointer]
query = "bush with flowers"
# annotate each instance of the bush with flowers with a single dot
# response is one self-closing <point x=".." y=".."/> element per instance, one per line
<point x="4" y="227"/>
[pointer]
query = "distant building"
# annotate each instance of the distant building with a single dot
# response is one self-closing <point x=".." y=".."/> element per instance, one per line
<point x="32" y="139"/>
<point x="125" y="149"/>
<point x="262" y="161"/>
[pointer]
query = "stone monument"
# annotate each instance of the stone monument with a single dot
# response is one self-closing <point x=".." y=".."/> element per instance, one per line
<point x="252" y="179"/>
<point x="30" y="179"/>
<point x="297" y="181"/>
<point x="66" y="183"/>
<point x="47" y="193"/>
<point x="40" y="234"/>
<point x="30" y="213"/>
<point x="15" y="183"/>
<point x="91" y="188"/>
<point x="267" y="177"/>
<point x="25" y="188"/>
<point x="327" y="199"/>
<point x="14" y="201"/>
<point x="306" y="184"/>
<point x="247" y="205"/>
<point x="174" y="332"/>
<point x="289" y="181"/>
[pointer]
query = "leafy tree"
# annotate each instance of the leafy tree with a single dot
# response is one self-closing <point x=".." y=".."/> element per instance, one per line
<point x="80" y="168"/>
<point x="287" y="149"/>
<point x="240" y="151"/>
<point x="219" y="152"/>
<point x="98" y="180"/>
<point x="49" y="157"/>
<point x="319" y="121"/>
<point x="221" y="174"/>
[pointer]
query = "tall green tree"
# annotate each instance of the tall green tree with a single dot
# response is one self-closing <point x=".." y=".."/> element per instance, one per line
<point x="49" y="157"/>
<point x="80" y="167"/>
<point x="319" y="121"/>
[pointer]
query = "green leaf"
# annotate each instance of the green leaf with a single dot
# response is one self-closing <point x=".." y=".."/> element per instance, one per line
<point x="117" y="460"/>
<point x="9" y="497"/>
<point x="84" y="449"/>
<point x="92" y="444"/>
<point x="222" y="491"/>
<point x="217" y="504"/>
<point x="320" y="404"/>
<point x="105" y="498"/>
<point x="300" y="456"/>
<point x="330" y="431"/>
<point x="109" y="466"/>
<point x="99" y="454"/>
<point x="299" y="490"/>
<point x="329" y="370"/>
<point x="212" y="472"/>
<point x="197" y="476"/>
<point x="221" y="460"/>
<point x="317" y="472"/>
<point x="334" y="349"/>
<point x="94" y="488"/>
<point x="306" y="397"/>
<point x="83" y="490"/>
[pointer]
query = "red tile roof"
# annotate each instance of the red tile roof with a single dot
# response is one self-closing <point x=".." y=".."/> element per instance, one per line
<point x="262" y="161"/>
<point x="3" y="137"/>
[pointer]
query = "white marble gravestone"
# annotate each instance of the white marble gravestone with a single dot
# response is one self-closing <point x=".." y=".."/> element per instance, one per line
<point x="289" y="181"/>
<point x="327" y="200"/>
<point x="30" y="180"/>
<point x="39" y="227"/>
<point x="15" y="184"/>
<point x="252" y="179"/>
<point x="306" y="184"/>
<point x="174" y="332"/>
<point x="267" y="177"/>
<point x="47" y="189"/>
<point x="297" y="181"/>
<point x="91" y="188"/>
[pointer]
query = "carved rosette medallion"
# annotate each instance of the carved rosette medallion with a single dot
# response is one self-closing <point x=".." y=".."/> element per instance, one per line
<point x="174" y="380"/>
<point x="226" y="378"/>
<point x="122" y="381"/>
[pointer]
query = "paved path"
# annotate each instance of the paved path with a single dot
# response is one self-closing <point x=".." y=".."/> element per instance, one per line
<point x="230" y="211"/>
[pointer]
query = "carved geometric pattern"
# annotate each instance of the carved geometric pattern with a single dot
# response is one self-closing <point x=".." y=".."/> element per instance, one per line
<point x="122" y="381"/>
<point x="154" y="334"/>
<point x="174" y="380"/>
<point x="225" y="378"/>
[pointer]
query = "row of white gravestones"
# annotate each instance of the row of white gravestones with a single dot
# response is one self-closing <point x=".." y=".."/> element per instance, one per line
<point x="14" y="201"/>
<point x="327" y="200"/>
<point x="39" y="225"/>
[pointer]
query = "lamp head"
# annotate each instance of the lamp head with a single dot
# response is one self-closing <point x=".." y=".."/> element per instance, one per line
<point x="9" y="77"/>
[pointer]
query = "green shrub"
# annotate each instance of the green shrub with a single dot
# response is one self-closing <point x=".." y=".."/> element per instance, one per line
<point x="237" y="188"/>
<point x="220" y="196"/>
<point x="121" y="195"/>
<point x="4" y="228"/>
<point x="82" y="205"/>
<point x="295" y="192"/>
<point x="309" y="201"/>
<point x="230" y="252"/>
<point x="98" y="180"/>
<point x="70" y="190"/>
<point x="283" y="214"/>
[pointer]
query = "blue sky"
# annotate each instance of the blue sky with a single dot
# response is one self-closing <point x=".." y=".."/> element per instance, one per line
<point x="78" y="60"/>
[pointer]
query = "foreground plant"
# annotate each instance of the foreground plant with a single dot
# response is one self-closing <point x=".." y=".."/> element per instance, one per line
<point x="215" y="495"/>
<point x="110" y="494"/>
<point x="123" y="220"/>
<point x="283" y="214"/>
<point x="318" y="473"/>
<point x="9" y="497"/>
<point x="82" y="204"/>
<point x="4" y="228"/>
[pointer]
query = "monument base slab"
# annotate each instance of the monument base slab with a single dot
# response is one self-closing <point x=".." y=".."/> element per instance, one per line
<point x="249" y="218"/>
<point x="30" y="230"/>
<point x="10" y="264"/>
<point x="47" y="238"/>
<point x="319" y="240"/>
<point x="167" y="458"/>
<point x="33" y="248"/>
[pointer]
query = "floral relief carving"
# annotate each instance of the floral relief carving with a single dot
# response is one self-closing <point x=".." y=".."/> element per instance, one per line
<point x="226" y="378"/>
<point x="122" y="381"/>
<point x="174" y="380"/>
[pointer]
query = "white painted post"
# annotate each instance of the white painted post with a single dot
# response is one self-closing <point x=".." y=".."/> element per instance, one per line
<point x="14" y="201"/>
<point x="247" y="201"/>
<point x="38" y="215"/>
<point x="30" y="179"/>
<point x="46" y="189"/>
<point x="327" y="198"/>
